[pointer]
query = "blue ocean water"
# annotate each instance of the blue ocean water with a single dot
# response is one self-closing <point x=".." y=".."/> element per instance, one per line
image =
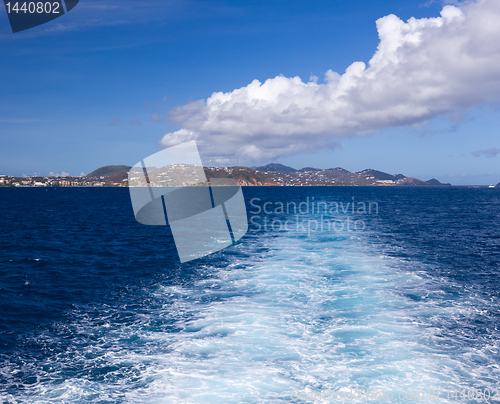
<point x="402" y="298"/>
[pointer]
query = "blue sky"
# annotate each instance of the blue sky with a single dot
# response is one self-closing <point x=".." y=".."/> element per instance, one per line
<point x="104" y="84"/>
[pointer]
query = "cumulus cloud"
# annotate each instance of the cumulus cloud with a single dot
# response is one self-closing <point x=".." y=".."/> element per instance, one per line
<point x="115" y="122"/>
<point x="135" y="122"/>
<point x="156" y="118"/>
<point x="493" y="152"/>
<point x="422" y="68"/>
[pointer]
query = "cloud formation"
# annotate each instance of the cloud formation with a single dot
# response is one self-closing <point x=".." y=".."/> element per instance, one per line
<point x="421" y="69"/>
<point x="156" y="118"/>
<point x="493" y="152"/>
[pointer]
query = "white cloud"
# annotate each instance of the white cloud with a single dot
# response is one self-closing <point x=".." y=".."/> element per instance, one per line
<point x="421" y="69"/>
<point x="180" y="136"/>
<point x="493" y="152"/>
<point x="156" y="118"/>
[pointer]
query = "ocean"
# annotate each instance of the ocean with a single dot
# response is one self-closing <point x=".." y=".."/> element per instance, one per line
<point x="335" y="294"/>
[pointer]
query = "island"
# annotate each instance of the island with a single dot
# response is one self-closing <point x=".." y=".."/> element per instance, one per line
<point x="273" y="174"/>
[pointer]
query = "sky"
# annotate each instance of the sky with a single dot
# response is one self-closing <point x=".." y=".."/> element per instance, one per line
<point x="410" y="87"/>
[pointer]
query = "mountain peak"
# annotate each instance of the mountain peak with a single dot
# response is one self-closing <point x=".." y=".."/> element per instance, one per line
<point x="276" y="167"/>
<point x="108" y="170"/>
<point x="306" y="169"/>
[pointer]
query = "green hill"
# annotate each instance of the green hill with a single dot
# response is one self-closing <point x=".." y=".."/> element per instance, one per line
<point x="106" y="171"/>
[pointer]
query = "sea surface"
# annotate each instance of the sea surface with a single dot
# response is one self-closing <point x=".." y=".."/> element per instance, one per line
<point x="399" y="295"/>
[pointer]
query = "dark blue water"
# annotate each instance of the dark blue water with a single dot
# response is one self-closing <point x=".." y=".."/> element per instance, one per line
<point x="95" y="307"/>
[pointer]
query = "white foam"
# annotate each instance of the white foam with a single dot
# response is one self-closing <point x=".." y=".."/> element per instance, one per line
<point x="308" y="314"/>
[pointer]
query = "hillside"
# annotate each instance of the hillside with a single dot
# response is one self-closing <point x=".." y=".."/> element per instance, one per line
<point x="434" y="181"/>
<point x="279" y="174"/>
<point x="108" y="170"/>
<point x="276" y="167"/>
<point x="245" y="176"/>
<point x="109" y="174"/>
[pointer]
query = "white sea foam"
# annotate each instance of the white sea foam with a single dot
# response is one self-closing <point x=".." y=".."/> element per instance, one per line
<point x="311" y="314"/>
<point x="308" y="313"/>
